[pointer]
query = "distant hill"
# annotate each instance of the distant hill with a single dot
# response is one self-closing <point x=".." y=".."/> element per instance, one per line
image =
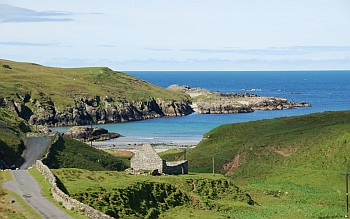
<point x="76" y="96"/>
<point x="317" y="141"/>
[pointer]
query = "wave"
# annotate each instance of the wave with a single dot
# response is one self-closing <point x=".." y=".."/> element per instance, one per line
<point x="253" y="89"/>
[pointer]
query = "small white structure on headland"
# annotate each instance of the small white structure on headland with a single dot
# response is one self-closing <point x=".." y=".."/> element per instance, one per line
<point x="148" y="159"/>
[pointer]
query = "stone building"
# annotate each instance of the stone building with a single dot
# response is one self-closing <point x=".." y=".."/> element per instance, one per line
<point x="148" y="159"/>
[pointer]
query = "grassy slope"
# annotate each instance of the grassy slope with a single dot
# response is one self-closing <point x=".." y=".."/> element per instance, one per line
<point x="70" y="153"/>
<point x="63" y="85"/>
<point x="317" y="141"/>
<point x="173" y="154"/>
<point x="12" y="130"/>
<point x="291" y="166"/>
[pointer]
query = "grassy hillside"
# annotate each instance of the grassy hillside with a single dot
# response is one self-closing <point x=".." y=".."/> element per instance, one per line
<point x="316" y="141"/>
<point x="291" y="166"/>
<point x="63" y="85"/>
<point x="70" y="153"/>
<point x="12" y="129"/>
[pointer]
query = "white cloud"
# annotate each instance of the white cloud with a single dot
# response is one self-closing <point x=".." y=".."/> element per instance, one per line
<point x="31" y="44"/>
<point x="12" y="14"/>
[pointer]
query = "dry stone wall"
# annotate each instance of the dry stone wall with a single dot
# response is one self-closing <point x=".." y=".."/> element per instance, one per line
<point x="68" y="202"/>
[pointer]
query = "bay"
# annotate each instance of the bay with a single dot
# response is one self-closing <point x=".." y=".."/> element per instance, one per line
<point x="325" y="90"/>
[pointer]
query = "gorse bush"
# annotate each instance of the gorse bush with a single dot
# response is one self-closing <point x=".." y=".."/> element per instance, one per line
<point x="134" y="196"/>
<point x="141" y="200"/>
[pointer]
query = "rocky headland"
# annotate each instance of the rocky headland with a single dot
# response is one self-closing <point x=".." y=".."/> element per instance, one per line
<point x="206" y="102"/>
<point x="46" y="96"/>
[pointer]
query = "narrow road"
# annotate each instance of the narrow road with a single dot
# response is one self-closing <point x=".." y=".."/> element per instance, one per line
<point x="35" y="148"/>
<point x="25" y="185"/>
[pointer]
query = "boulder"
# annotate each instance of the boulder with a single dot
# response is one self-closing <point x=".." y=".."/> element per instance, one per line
<point x="6" y="66"/>
<point x="90" y="134"/>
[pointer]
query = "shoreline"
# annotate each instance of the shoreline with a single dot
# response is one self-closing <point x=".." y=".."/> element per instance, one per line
<point x="134" y="146"/>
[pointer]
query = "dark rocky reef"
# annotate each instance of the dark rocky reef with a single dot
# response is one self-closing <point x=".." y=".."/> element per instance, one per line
<point x="90" y="134"/>
<point x="97" y="110"/>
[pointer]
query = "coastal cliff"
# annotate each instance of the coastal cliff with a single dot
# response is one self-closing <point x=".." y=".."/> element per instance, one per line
<point x="206" y="102"/>
<point x="78" y="96"/>
<point x="97" y="111"/>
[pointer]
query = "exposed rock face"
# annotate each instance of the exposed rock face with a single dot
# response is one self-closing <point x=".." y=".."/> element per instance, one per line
<point x="193" y="92"/>
<point x="221" y="108"/>
<point x="94" y="110"/>
<point x="206" y="102"/>
<point x="90" y="134"/>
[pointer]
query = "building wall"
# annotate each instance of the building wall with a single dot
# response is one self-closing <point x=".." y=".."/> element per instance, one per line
<point x="176" y="167"/>
<point x="147" y="159"/>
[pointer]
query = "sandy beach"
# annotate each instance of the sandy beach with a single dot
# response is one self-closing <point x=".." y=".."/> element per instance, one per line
<point x="133" y="146"/>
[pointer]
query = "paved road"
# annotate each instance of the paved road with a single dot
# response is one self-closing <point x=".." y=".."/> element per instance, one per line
<point x="25" y="185"/>
<point x="35" y="147"/>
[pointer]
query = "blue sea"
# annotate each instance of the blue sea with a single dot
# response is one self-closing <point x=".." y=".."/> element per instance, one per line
<point x="325" y="90"/>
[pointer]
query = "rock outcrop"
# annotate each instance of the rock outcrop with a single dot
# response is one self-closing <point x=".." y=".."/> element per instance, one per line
<point x="90" y="134"/>
<point x="95" y="110"/>
<point x="193" y="92"/>
<point x="206" y="102"/>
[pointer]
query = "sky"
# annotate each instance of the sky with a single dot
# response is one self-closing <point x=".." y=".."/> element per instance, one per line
<point x="160" y="35"/>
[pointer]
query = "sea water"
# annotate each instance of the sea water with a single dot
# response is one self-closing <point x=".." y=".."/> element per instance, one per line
<point x="324" y="90"/>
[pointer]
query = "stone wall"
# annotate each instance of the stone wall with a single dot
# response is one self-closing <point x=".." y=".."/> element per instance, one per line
<point x="68" y="202"/>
